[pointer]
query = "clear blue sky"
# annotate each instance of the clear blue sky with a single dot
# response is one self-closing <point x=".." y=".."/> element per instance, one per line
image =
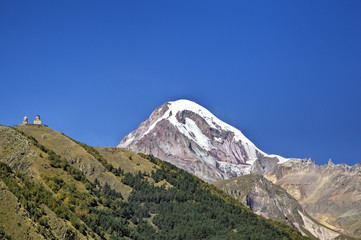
<point x="286" y="73"/>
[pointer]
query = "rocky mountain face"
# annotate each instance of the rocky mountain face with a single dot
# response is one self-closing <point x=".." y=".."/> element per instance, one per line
<point x="331" y="193"/>
<point x="272" y="201"/>
<point x="189" y="136"/>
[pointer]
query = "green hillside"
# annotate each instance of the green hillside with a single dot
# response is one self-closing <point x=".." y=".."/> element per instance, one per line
<point x="53" y="187"/>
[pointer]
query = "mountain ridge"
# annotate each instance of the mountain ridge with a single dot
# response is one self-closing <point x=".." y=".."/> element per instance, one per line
<point x="272" y="201"/>
<point x="63" y="189"/>
<point x="330" y="193"/>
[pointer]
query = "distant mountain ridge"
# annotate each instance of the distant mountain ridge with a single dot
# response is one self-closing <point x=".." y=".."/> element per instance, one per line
<point x="189" y="136"/>
<point x="329" y="193"/>
<point x="272" y="201"/>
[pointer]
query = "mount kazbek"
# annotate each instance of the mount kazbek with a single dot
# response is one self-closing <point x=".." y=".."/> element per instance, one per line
<point x="189" y="136"/>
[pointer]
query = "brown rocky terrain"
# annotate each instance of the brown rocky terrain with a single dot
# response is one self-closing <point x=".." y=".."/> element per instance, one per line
<point x="271" y="201"/>
<point x="331" y="193"/>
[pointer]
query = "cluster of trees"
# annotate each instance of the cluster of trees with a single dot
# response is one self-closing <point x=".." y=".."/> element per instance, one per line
<point x="96" y="207"/>
<point x="3" y="234"/>
<point x="189" y="209"/>
<point x="31" y="196"/>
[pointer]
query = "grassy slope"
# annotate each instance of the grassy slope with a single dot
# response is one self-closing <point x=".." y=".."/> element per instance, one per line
<point x="34" y="163"/>
<point x="125" y="159"/>
<point x="76" y="155"/>
<point x="14" y="218"/>
<point x="18" y="152"/>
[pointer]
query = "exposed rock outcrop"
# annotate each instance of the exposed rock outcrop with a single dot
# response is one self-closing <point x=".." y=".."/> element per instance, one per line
<point x="331" y="193"/>
<point x="271" y="201"/>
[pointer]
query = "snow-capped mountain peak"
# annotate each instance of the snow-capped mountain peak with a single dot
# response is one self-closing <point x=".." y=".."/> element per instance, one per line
<point x="188" y="135"/>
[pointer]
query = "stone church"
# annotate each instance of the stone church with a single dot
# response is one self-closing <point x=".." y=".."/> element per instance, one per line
<point x="37" y="120"/>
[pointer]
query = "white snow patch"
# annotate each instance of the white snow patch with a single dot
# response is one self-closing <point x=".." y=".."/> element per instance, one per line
<point x="128" y="141"/>
<point x="280" y="159"/>
<point x="236" y="169"/>
<point x="192" y="131"/>
<point x="205" y="157"/>
<point x="212" y="121"/>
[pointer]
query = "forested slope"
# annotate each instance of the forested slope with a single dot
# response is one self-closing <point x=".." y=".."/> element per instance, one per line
<point x="68" y="190"/>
